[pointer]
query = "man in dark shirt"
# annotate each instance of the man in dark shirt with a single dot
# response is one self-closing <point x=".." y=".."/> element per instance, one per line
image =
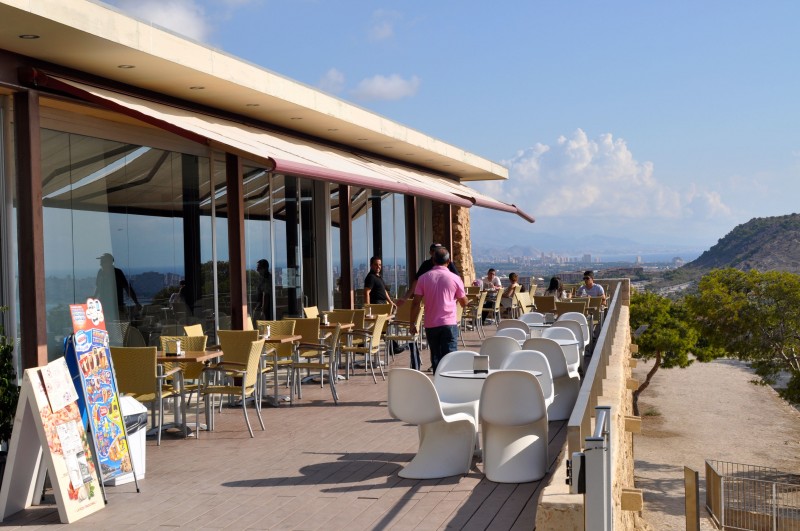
<point x="426" y="266"/>
<point x="375" y="291"/>
<point x="110" y="287"/>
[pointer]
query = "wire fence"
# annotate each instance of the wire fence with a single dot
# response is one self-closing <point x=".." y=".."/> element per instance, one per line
<point x="751" y="497"/>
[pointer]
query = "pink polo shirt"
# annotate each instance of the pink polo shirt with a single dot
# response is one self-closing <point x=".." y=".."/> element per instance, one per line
<point x="439" y="289"/>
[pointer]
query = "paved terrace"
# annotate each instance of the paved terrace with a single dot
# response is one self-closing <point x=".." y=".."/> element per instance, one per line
<point x="316" y="466"/>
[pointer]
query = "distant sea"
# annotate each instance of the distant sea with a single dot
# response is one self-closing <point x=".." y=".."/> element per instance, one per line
<point x="647" y="258"/>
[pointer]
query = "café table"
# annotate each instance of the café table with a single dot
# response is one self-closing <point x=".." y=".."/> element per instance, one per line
<point x="477" y="377"/>
<point x="187" y="356"/>
<point x="536" y="329"/>
<point x="278" y="339"/>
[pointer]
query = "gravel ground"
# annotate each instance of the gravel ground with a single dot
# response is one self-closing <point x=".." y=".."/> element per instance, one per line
<point x="706" y="411"/>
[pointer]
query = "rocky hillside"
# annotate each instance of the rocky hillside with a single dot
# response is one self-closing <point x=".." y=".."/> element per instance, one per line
<point x="765" y="244"/>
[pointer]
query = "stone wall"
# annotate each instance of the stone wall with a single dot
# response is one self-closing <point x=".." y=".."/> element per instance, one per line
<point x="462" y="246"/>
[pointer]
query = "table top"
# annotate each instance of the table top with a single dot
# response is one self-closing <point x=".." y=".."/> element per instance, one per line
<point x="332" y="326"/>
<point x="196" y="356"/>
<point x="282" y="338"/>
<point x="539" y="325"/>
<point x="564" y="342"/>
<point x="469" y="374"/>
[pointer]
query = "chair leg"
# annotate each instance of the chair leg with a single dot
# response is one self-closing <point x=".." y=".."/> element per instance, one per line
<point x="332" y="379"/>
<point x="244" y="410"/>
<point x="160" y="420"/>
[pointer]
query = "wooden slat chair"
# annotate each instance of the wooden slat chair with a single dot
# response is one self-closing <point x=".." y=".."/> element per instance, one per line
<point x="473" y="314"/>
<point x="564" y="307"/>
<point x="139" y="376"/>
<point x="545" y="303"/>
<point x="400" y="328"/>
<point x="524" y="303"/>
<point x="242" y="352"/>
<point x="190" y="371"/>
<point x="493" y="311"/>
<point x="321" y="357"/>
<point x="278" y="355"/>
<point x="379" y="309"/>
<point x="370" y="345"/>
<point x="340" y="316"/>
<point x="193" y="330"/>
<point x="311" y="311"/>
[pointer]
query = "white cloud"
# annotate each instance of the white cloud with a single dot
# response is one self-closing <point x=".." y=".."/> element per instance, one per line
<point x="597" y="178"/>
<point x="380" y="87"/>
<point x="332" y="81"/>
<point x="185" y="17"/>
<point x="382" y="25"/>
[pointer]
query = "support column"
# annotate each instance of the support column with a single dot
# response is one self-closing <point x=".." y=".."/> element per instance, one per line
<point x="30" y="230"/>
<point x="346" y="247"/>
<point x="377" y="223"/>
<point x="238" y="286"/>
<point x="412" y="239"/>
<point x="190" y="168"/>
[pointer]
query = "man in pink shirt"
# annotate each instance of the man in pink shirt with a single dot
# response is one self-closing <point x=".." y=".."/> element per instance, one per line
<point x="441" y="290"/>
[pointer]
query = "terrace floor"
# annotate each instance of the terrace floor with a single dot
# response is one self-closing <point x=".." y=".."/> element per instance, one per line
<point x="317" y="466"/>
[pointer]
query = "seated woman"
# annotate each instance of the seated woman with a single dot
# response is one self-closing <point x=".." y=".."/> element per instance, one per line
<point x="556" y="289"/>
<point x="507" y="300"/>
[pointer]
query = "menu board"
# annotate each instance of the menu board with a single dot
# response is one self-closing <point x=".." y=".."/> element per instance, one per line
<point x="89" y="359"/>
<point x="62" y="441"/>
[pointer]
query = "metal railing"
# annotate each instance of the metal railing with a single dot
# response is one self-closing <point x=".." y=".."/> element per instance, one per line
<point x="750" y="497"/>
<point x="579" y="425"/>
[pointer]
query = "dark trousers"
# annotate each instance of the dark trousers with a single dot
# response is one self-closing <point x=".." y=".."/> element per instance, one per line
<point x="441" y="340"/>
<point x="414" y="355"/>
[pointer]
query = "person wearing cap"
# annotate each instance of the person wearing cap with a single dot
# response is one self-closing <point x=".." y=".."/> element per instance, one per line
<point x="262" y="304"/>
<point x="110" y="287"/>
<point x="440" y="290"/>
<point x="589" y="288"/>
<point x="426" y="266"/>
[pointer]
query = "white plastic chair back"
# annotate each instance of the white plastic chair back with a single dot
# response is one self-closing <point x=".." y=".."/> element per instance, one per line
<point x="555" y="356"/>
<point x="513" y="417"/>
<point x="515" y="333"/>
<point x="572" y="352"/>
<point x="458" y="395"/>
<point x="413" y="398"/>
<point x="559" y="332"/>
<point x="446" y="442"/>
<point x="579" y="317"/>
<point x="498" y="348"/>
<point x="532" y="318"/>
<point x="533" y="360"/>
<point x="575" y="326"/>
<point x="512" y="323"/>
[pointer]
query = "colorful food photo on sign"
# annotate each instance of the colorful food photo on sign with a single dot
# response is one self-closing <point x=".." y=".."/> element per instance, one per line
<point x="91" y="359"/>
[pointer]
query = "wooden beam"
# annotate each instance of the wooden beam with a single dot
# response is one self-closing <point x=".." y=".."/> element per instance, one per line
<point x="233" y="181"/>
<point x="30" y="230"/>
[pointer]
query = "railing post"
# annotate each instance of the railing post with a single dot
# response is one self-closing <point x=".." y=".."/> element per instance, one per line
<point x="609" y="449"/>
<point x="597" y="500"/>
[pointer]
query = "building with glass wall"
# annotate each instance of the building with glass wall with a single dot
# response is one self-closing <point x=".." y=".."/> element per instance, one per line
<point x="158" y="175"/>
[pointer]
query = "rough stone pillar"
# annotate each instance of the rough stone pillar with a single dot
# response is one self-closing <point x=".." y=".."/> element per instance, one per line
<point x="462" y="244"/>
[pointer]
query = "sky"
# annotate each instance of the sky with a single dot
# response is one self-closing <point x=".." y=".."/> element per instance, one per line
<point x="662" y="123"/>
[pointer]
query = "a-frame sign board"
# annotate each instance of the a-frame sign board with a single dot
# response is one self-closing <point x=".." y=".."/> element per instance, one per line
<point x="48" y="431"/>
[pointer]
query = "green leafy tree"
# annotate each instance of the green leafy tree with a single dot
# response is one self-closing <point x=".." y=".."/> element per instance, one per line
<point x="754" y="316"/>
<point x="668" y="336"/>
<point x="9" y="392"/>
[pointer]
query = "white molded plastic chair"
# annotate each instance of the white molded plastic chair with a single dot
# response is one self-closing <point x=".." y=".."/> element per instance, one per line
<point x="458" y="395"/>
<point x="576" y="328"/>
<point x="513" y="417"/>
<point x="532" y="318"/>
<point x="579" y="317"/>
<point x="571" y="352"/>
<point x="566" y="382"/>
<point x="514" y="333"/>
<point x="512" y="323"/>
<point x="498" y="348"/>
<point x="533" y="360"/>
<point x="445" y="441"/>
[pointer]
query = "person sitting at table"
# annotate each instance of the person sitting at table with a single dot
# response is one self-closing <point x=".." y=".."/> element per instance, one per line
<point x="491" y="285"/>
<point x="589" y="288"/>
<point x="556" y="289"/>
<point x="507" y="300"/>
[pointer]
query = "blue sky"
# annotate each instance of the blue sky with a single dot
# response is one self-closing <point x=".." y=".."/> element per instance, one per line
<point x="667" y="123"/>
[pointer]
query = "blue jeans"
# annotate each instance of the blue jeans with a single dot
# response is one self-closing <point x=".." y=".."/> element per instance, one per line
<point x="442" y="340"/>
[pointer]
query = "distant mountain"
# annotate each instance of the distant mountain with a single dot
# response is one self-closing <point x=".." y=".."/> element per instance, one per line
<point x="765" y="244"/>
<point x="594" y="244"/>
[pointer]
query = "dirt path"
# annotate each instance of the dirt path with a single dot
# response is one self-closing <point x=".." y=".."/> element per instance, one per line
<point x="707" y="411"/>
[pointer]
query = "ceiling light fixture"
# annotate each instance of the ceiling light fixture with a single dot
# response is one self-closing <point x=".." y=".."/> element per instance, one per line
<point x="253" y="105"/>
<point x="196" y="87"/>
<point x="126" y="67"/>
<point x="332" y="129"/>
<point x="28" y="36"/>
<point x="295" y="118"/>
